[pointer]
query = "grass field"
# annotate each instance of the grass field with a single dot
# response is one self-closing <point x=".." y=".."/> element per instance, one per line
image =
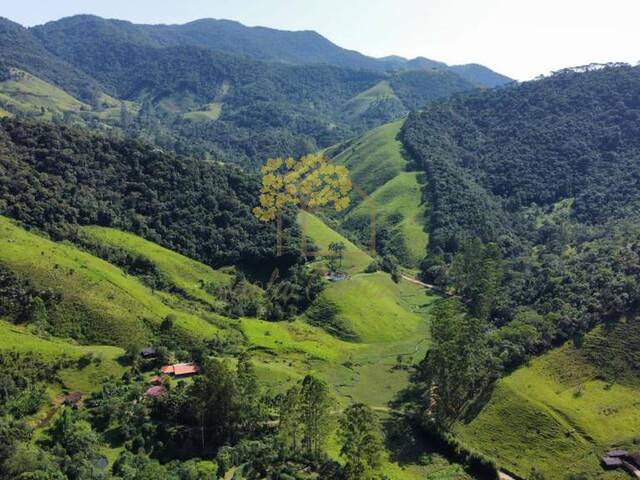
<point x="361" y="102"/>
<point x="28" y="93"/>
<point x="397" y="205"/>
<point x="355" y="260"/>
<point x="187" y="274"/>
<point x="212" y="112"/>
<point x="558" y="415"/>
<point x="108" y="305"/>
<point x="374" y="158"/>
<point x="385" y="194"/>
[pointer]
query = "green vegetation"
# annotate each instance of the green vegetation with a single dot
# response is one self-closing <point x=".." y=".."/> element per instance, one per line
<point x="100" y="303"/>
<point x="189" y="276"/>
<point x="556" y="415"/>
<point x="26" y="93"/>
<point x="354" y="259"/>
<point x="212" y="112"/>
<point x="384" y="193"/>
<point x="399" y="215"/>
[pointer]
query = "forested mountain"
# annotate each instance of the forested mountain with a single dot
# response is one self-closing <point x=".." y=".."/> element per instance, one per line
<point x="534" y="218"/>
<point x="260" y="43"/>
<point x="203" y="89"/>
<point x="18" y="48"/>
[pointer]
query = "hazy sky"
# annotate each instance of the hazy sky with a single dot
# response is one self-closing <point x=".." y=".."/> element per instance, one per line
<point x="520" y="38"/>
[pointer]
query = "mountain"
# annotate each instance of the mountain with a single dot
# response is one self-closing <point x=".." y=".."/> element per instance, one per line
<point x="533" y="216"/>
<point x="472" y="72"/>
<point x="19" y="49"/>
<point x="259" y="43"/>
<point x="195" y="99"/>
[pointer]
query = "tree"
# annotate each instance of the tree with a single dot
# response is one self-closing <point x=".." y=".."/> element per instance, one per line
<point x="337" y="249"/>
<point x="316" y="409"/>
<point x="290" y="428"/>
<point x="216" y="400"/>
<point x="459" y="366"/>
<point x="251" y="409"/>
<point x="361" y="442"/>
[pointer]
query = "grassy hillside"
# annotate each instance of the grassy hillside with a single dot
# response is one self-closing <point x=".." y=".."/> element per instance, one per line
<point x="390" y="320"/>
<point x="188" y="275"/>
<point x="398" y="207"/>
<point x="385" y="193"/>
<point x="373" y="158"/>
<point x="562" y="411"/>
<point x="100" y="302"/>
<point x="359" y="104"/>
<point x="27" y="93"/>
<point x="355" y="260"/>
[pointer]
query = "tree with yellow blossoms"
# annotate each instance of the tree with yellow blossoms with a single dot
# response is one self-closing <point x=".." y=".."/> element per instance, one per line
<point x="308" y="183"/>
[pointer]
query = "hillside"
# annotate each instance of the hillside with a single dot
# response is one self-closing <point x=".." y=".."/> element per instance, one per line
<point x="533" y="202"/>
<point x="99" y="302"/>
<point x="115" y="307"/>
<point x="386" y="193"/>
<point x="566" y="409"/>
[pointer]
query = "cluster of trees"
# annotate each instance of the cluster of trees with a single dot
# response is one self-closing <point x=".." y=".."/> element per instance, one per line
<point x="199" y="430"/>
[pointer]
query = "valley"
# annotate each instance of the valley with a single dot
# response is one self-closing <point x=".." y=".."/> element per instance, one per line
<point x="243" y="253"/>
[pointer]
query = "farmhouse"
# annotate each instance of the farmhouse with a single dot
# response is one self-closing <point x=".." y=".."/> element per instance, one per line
<point x="181" y="370"/>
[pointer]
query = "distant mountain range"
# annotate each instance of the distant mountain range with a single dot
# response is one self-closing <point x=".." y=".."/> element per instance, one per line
<point x="216" y="88"/>
<point x="261" y="43"/>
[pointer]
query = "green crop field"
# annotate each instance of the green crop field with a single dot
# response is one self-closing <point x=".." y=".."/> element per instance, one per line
<point x="558" y="414"/>
<point x="111" y="306"/>
<point x="188" y="275"/>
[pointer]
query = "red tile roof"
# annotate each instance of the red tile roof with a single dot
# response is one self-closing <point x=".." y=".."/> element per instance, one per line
<point x="180" y="369"/>
<point x="156" y="392"/>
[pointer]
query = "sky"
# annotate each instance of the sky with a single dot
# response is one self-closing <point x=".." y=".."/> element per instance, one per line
<point x="519" y="38"/>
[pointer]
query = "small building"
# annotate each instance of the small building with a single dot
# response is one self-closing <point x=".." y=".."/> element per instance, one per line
<point x="73" y="399"/>
<point x="149" y="352"/>
<point x="617" y="453"/>
<point x="611" y="462"/>
<point x="156" y="392"/>
<point x="181" y="370"/>
<point x="335" y="276"/>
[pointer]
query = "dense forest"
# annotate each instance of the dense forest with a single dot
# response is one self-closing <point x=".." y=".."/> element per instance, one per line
<point x="534" y="219"/>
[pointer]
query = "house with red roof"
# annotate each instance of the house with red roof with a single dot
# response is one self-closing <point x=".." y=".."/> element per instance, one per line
<point x="181" y="370"/>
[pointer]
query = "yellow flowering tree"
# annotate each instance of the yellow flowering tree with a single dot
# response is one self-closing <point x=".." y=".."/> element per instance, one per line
<point x="308" y="183"/>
